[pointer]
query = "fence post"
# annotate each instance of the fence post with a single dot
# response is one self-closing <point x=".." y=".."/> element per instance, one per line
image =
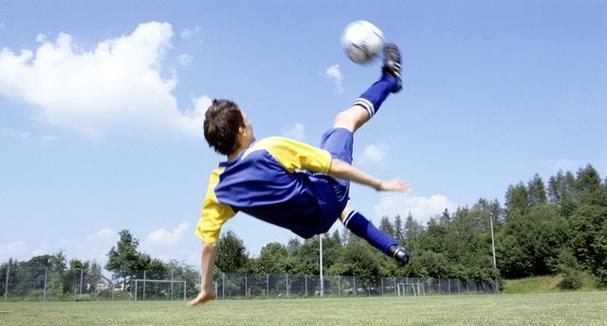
<point x="8" y="271"/>
<point x="287" y="285"/>
<point x="339" y="285"/>
<point x="268" y="285"/>
<point x="185" y="290"/>
<point x="395" y="289"/>
<point x="306" y="285"/>
<point x="355" y="290"/>
<point x="223" y="285"/>
<point x="135" y="289"/>
<point x="246" y="287"/>
<point x="144" y="285"/>
<point x="449" y="285"/>
<point x="172" y="285"/>
<point x="81" y="275"/>
<point x="45" y="280"/>
<point x="382" y="286"/>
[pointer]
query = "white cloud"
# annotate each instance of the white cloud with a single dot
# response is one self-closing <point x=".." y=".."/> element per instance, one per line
<point x="17" y="249"/>
<point x="295" y="131"/>
<point x="118" y="85"/>
<point x="104" y="234"/>
<point x="189" y="33"/>
<point x="422" y="208"/>
<point x="374" y="154"/>
<point x="334" y="73"/>
<point x="168" y="237"/>
<point x="184" y="59"/>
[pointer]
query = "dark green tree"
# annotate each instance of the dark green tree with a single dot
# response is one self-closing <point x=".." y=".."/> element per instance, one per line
<point x="536" y="191"/>
<point x="124" y="259"/>
<point x="232" y="256"/>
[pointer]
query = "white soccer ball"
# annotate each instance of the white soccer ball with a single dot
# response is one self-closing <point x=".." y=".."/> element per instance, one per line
<point x="362" y="41"/>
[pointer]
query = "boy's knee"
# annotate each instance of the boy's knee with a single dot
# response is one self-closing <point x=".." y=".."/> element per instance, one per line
<point x="351" y="118"/>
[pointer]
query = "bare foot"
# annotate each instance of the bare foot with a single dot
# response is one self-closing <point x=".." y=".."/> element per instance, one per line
<point x="202" y="298"/>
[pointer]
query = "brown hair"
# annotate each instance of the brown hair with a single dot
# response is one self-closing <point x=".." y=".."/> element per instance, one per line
<point x="221" y="123"/>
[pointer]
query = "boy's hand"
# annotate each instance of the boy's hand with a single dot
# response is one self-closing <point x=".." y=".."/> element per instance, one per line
<point x="202" y="297"/>
<point x="393" y="185"/>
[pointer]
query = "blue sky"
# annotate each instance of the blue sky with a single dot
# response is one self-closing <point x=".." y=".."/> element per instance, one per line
<point x="100" y="106"/>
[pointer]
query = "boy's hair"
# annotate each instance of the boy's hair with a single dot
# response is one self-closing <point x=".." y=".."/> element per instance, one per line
<point x="221" y="123"/>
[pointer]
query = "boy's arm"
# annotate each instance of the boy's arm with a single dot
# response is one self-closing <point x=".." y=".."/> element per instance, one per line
<point x="344" y="170"/>
<point x="207" y="261"/>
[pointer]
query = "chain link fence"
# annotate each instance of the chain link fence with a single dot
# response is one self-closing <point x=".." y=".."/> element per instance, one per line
<point x="42" y="284"/>
<point x="229" y="285"/>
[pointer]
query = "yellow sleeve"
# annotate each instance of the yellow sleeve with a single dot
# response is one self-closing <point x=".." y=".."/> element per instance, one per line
<point x="293" y="155"/>
<point x="214" y="214"/>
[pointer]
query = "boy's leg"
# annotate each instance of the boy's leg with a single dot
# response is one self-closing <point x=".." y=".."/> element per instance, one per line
<point x="370" y="101"/>
<point x="363" y="228"/>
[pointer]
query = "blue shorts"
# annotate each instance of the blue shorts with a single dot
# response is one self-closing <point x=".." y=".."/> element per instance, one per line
<point x="332" y="194"/>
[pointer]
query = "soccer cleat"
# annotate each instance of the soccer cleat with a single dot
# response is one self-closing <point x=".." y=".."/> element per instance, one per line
<point x="400" y="254"/>
<point x="392" y="64"/>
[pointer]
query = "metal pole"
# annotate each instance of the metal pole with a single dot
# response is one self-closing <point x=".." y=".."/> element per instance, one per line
<point x="246" y="286"/>
<point x="306" y="284"/>
<point x="172" y="285"/>
<point x="354" y="285"/>
<point x="144" y="285"/>
<point x="322" y="284"/>
<point x="268" y="285"/>
<point x="339" y="285"/>
<point x="185" y="290"/>
<point x="81" y="275"/>
<point x="395" y="289"/>
<point x="135" y="290"/>
<point x="8" y="271"/>
<point x="223" y="285"/>
<point x="493" y="249"/>
<point x="287" y="285"/>
<point x="45" y="280"/>
<point x="382" y="286"/>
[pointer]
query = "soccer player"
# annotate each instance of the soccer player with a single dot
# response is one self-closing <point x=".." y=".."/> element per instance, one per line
<point x="288" y="183"/>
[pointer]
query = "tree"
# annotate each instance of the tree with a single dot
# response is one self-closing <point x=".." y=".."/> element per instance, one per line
<point x="232" y="256"/>
<point x="398" y="229"/>
<point x="273" y="258"/>
<point x="124" y="259"/>
<point x="536" y="191"/>
<point x="412" y="229"/>
<point x="588" y="180"/>
<point x="386" y="226"/>
<point x="517" y="198"/>
<point x="589" y="234"/>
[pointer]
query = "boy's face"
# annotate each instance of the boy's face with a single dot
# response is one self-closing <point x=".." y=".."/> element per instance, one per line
<point x="246" y="135"/>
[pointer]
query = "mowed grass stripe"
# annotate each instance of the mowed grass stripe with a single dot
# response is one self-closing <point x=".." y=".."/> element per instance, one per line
<point x="573" y="308"/>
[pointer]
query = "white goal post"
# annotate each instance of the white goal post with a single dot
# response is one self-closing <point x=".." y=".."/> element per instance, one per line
<point x="416" y="288"/>
<point x="175" y="289"/>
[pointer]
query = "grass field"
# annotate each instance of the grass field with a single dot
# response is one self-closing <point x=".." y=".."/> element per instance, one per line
<point x="575" y="308"/>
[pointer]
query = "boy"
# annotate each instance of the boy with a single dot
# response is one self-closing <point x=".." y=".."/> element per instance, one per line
<point x="288" y="183"/>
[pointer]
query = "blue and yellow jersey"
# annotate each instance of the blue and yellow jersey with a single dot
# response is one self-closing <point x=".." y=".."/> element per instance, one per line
<point x="278" y="180"/>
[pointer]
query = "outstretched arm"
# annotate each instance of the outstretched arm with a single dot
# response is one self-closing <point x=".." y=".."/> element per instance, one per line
<point x="343" y="170"/>
<point x="207" y="261"/>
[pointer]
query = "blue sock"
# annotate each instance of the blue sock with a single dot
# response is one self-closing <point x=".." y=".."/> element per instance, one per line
<point x="372" y="99"/>
<point x="358" y="224"/>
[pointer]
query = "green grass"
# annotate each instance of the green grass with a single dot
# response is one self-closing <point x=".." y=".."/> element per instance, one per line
<point x="573" y="308"/>
<point x="543" y="284"/>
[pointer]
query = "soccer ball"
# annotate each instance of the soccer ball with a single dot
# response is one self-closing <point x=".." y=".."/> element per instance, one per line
<point x="362" y="41"/>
